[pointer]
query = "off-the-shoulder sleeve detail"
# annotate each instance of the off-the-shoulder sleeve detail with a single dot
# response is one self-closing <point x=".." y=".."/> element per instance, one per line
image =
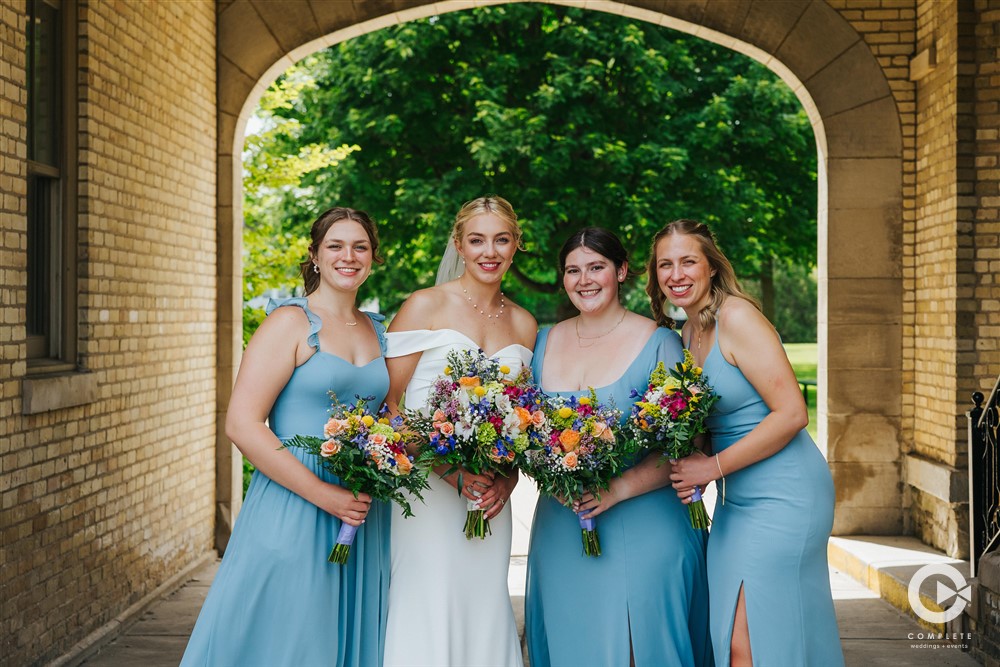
<point x="315" y="324"/>
<point x="402" y="343"/>
<point x="378" y="321"/>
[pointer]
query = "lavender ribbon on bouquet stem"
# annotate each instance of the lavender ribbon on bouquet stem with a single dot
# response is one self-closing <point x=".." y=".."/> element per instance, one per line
<point x="588" y="530"/>
<point x="696" y="509"/>
<point x="342" y="549"/>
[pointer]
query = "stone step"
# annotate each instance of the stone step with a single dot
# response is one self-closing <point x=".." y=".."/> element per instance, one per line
<point x="886" y="565"/>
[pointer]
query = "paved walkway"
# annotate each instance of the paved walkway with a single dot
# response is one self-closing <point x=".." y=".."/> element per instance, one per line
<point x="873" y="633"/>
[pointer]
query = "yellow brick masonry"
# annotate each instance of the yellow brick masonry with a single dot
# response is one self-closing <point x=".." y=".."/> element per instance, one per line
<point x="951" y="190"/>
<point x="985" y="284"/>
<point x="103" y="502"/>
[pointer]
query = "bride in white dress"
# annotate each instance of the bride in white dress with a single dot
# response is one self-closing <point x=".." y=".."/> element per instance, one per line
<point x="448" y="597"/>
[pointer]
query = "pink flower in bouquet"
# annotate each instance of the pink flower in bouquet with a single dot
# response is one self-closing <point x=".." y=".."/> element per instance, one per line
<point x="513" y="392"/>
<point x="367" y="452"/>
<point x="580" y="454"/>
<point x="334" y="426"/>
<point x="570" y="460"/>
<point x="537" y="417"/>
<point x="670" y="415"/>
<point x="676" y="405"/>
<point x="478" y="418"/>
<point x="603" y="432"/>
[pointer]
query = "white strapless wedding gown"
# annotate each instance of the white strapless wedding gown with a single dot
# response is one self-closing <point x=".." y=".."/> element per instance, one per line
<point x="448" y="598"/>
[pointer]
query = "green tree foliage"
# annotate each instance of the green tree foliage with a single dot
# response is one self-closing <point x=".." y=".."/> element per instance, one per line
<point x="795" y="311"/>
<point x="577" y="117"/>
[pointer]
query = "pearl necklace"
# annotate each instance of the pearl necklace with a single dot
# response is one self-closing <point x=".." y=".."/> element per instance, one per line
<point x="479" y="310"/>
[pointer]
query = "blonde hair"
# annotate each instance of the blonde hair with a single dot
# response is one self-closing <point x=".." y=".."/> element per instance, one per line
<point x="724" y="282"/>
<point x="493" y="205"/>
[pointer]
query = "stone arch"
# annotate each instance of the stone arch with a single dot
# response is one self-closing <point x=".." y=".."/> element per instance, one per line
<point x="859" y="138"/>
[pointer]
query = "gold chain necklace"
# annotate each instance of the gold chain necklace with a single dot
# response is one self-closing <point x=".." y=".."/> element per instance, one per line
<point x="480" y="310"/>
<point x="580" y="339"/>
<point x="353" y="323"/>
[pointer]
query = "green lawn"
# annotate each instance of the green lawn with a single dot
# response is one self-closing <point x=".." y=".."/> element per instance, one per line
<point x="803" y="358"/>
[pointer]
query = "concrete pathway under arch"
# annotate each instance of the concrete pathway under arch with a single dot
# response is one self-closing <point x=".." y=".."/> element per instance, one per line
<point x="873" y="632"/>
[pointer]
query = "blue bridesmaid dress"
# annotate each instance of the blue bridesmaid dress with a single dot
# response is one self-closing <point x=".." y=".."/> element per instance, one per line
<point x="770" y="536"/>
<point x="647" y="587"/>
<point x="276" y="600"/>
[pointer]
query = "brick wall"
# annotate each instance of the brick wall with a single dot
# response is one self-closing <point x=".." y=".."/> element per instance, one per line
<point x="951" y="307"/>
<point x="103" y="502"/>
<point x="981" y="302"/>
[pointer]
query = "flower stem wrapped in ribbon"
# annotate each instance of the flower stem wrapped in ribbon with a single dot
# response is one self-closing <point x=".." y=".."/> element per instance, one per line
<point x="479" y="416"/>
<point x="580" y="452"/>
<point x="367" y="452"/>
<point x="670" y="414"/>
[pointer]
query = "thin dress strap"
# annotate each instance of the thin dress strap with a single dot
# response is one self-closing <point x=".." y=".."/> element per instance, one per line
<point x="716" y="343"/>
<point x="378" y="322"/>
<point x="315" y="324"/>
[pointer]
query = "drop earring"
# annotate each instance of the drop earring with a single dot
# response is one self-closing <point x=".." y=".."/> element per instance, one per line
<point x="315" y="268"/>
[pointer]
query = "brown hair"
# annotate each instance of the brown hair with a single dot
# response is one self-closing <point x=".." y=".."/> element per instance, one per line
<point x="493" y="204"/>
<point x="602" y="241"/>
<point x="318" y="232"/>
<point x="724" y="282"/>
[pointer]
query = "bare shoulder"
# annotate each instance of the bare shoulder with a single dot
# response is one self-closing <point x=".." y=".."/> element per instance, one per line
<point x="741" y="313"/>
<point x="285" y="321"/>
<point x="525" y="325"/>
<point x="284" y="328"/>
<point x="740" y="322"/>
<point x="418" y="310"/>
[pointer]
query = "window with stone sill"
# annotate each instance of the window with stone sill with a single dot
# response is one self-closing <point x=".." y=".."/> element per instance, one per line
<point x="51" y="192"/>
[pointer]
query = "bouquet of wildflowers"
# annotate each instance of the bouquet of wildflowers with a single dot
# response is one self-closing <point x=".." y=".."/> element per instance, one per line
<point x="580" y="452"/>
<point x="479" y="417"/>
<point x="669" y="415"/>
<point x="367" y="452"/>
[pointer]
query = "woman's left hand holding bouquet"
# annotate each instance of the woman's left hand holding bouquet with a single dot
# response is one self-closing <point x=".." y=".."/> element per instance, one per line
<point x="496" y="496"/>
<point x="697" y="469"/>
<point x="475" y="488"/>
<point x="342" y="504"/>
<point x="467" y="483"/>
<point x="275" y="350"/>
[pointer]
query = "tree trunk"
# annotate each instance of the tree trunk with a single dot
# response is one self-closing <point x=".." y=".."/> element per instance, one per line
<point x="767" y="288"/>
